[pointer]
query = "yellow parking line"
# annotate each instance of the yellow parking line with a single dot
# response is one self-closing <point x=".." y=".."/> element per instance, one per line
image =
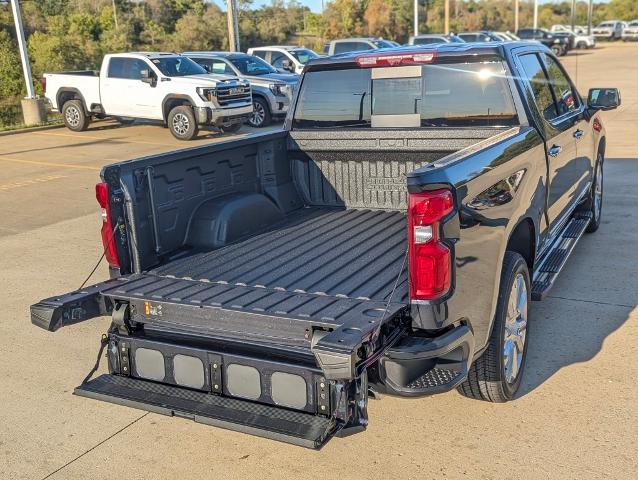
<point x="49" y="164"/>
<point x="141" y="142"/>
<point x="32" y="181"/>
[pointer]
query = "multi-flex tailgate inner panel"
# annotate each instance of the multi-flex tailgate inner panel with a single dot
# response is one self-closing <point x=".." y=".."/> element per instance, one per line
<point x="299" y="428"/>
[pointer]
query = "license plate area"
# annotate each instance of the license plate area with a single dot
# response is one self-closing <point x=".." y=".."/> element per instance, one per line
<point x="238" y="376"/>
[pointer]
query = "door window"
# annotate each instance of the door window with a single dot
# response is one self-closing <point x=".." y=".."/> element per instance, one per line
<point x="260" y="53"/>
<point x="566" y="99"/>
<point x="277" y="59"/>
<point x="127" y="68"/>
<point x="343" y="47"/>
<point x="539" y="84"/>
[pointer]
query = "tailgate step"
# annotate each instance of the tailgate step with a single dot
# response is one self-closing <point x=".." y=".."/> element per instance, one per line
<point x="288" y="426"/>
<point x="548" y="269"/>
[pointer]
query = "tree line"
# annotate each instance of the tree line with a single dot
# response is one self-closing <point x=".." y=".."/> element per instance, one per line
<point x="74" y="34"/>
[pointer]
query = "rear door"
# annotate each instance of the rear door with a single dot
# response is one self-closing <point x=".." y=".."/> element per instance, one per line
<point x="558" y="128"/>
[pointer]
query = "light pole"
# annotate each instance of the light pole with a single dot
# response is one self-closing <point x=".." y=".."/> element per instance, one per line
<point x="535" y="14"/>
<point x="33" y="111"/>
<point x="233" y="27"/>
<point x="515" y="16"/>
<point x="590" y="11"/>
<point x="447" y="17"/>
<point x="416" y="17"/>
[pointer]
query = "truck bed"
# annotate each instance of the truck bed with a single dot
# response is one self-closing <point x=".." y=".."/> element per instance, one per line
<point x="321" y="266"/>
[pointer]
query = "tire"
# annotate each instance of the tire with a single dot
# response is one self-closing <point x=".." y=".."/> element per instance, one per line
<point x="232" y="128"/>
<point x="124" y="120"/>
<point x="557" y="50"/>
<point x="489" y="378"/>
<point x="74" y="116"/>
<point x="261" y="116"/>
<point x="182" y="123"/>
<point x="594" y="203"/>
<point x="581" y="45"/>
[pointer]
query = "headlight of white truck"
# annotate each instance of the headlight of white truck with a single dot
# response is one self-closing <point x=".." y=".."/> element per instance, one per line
<point x="206" y="94"/>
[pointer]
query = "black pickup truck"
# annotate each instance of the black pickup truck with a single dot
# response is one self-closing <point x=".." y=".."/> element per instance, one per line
<point x="387" y="241"/>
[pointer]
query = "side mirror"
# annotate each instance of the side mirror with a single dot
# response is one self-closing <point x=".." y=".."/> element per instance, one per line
<point x="287" y="65"/>
<point x="603" y="98"/>
<point x="146" y="76"/>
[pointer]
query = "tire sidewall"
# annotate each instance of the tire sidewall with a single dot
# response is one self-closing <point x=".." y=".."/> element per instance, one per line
<point x="192" y="127"/>
<point x="520" y="266"/>
<point x="267" y="116"/>
<point x="82" y="117"/>
<point x="596" y="216"/>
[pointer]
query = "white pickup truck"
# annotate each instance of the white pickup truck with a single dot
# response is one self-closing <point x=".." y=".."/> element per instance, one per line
<point x="154" y="86"/>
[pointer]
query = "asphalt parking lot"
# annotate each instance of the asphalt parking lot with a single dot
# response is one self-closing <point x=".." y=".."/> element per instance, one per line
<point x="575" y="418"/>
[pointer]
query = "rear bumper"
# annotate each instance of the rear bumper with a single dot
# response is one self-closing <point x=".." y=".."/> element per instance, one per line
<point x="630" y="36"/>
<point x="222" y="116"/>
<point x="420" y="366"/>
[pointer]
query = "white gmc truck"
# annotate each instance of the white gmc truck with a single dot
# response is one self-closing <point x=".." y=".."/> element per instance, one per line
<point x="154" y="86"/>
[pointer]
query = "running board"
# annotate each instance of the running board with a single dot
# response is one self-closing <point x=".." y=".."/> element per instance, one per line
<point x="548" y="269"/>
<point x="298" y="428"/>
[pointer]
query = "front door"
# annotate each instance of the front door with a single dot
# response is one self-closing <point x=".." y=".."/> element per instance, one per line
<point x="558" y="129"/>
<point x="124" y="94"/>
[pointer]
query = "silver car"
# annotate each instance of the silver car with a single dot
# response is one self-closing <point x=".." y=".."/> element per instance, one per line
<point x="271" y="89"/>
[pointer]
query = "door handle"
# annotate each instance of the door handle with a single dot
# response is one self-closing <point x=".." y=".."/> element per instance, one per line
<point x="555" y="150"/>
<point x="578" y="134"/>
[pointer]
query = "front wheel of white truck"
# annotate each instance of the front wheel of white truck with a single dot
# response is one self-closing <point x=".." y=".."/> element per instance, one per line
<point x="496" y="375"/>
<point x="182" y="123"/>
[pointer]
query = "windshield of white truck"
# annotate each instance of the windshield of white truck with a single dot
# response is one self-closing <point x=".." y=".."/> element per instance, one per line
<point x="250" y="65"/>
<point x="445" y="95"/>
<point x="178" y="66"/>
<point x="303" y="55"/>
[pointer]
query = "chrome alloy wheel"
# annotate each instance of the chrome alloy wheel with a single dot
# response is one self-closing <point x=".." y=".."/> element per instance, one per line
<point x="72" y="116"/>
<point x="259" y="114"/>
<point x="598" y="192"/>
<point x="515" y="329"/>
<point x="181" y="124"/>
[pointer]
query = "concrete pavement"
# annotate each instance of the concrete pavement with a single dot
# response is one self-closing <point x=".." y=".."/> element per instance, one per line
<point x="576" y="417"/>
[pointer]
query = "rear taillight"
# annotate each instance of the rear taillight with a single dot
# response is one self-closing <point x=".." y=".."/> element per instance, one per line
<point x="108" y="236"/>
<point x="430" y="259"/>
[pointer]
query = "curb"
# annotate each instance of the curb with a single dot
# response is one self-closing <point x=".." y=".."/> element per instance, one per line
<point x="29" y="129"/>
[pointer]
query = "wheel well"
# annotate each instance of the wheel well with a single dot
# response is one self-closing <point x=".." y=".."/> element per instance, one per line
<point x="523" y="241"/>
<point x="601" y="146"/>
<point x="171" y="103"/>
<point x="66" y="95"/>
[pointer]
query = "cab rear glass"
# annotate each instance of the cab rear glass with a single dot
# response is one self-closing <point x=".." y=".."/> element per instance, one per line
<point x="434" y="95"/>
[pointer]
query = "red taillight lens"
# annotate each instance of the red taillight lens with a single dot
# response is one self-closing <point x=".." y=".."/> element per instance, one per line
<point x="395" y="59"/>
<point x="430" y="259"/>
<point x="108" y="237"/>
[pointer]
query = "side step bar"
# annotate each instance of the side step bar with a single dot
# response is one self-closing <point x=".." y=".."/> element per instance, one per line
<point x="554" y="260"/>
<point x="299" y="428"/>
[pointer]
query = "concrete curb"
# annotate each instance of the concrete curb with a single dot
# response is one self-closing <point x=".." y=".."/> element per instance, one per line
<point x="30" y="129"/>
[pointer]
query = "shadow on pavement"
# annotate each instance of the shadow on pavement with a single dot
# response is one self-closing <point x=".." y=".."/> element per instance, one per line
<point x="571" y="325"/>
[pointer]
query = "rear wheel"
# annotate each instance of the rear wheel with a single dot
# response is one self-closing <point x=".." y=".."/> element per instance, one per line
<point x="75" y="118"/>
<point x="581" y="45"/>
<point x="182" y="123"/>
<point x="496" y="375"/>
<point x="557" y="50"/>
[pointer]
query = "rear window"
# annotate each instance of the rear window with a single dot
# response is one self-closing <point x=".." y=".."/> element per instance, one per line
<point x="446" y="95"/>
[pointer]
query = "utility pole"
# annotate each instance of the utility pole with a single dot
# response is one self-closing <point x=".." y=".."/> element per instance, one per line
<point x="233" y="26"/>
<point x="535" y="14"/>
<point x="33" y="110"/>
<point x="22" y="45"/>
<point x="115" y="14"/>
<point x="590" y="11"/>
<point x="515" y="16"/>
<point x="447" y="17"/>
<point x="573" y="15"/>
<point x="416" y="17"/>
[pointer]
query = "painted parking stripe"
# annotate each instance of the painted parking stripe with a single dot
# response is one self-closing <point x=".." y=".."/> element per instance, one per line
<point x="32" y="181"/>
<point x="49" y="164"/>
